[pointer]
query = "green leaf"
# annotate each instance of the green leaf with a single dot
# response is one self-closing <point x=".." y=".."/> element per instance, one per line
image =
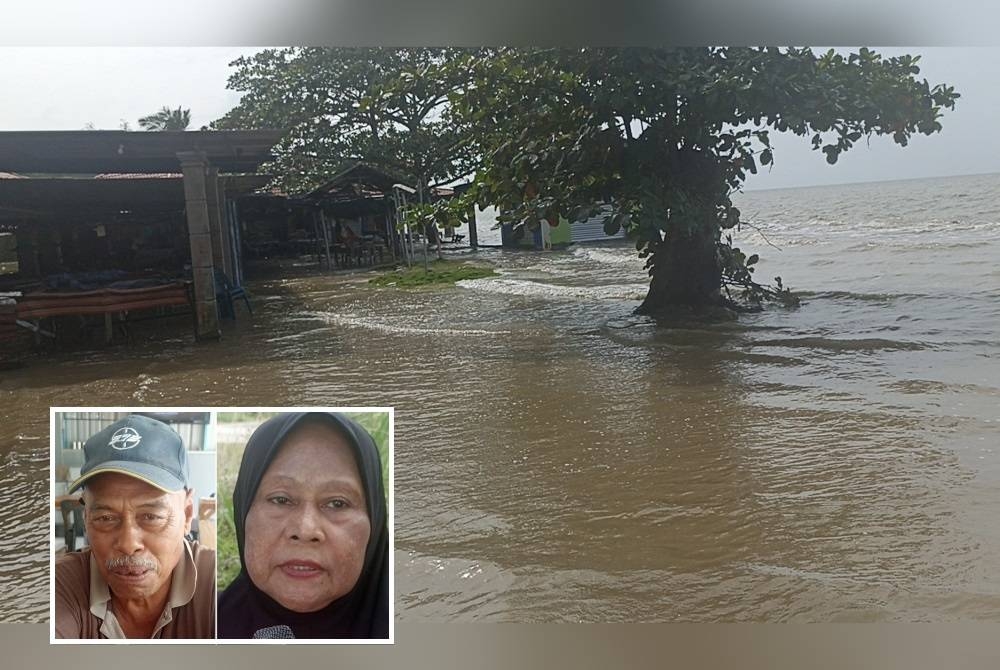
<point x="611" y="226"/>
<point x="551" y="118"/>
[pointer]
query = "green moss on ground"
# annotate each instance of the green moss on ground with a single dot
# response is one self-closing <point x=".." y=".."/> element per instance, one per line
<point x="439" y="273"/>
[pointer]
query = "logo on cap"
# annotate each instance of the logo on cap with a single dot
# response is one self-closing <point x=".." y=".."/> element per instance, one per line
<point x="125" y="438"/>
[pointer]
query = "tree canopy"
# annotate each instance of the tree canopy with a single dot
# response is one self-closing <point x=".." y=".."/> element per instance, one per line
<point x="166" y="119"/>
<point x="658" y="138"/>
<point x="665" y="136"/>
<point x="385" y="107"/>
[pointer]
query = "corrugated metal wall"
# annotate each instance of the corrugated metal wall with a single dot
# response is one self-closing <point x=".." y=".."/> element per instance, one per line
<point x="592" y="230"/>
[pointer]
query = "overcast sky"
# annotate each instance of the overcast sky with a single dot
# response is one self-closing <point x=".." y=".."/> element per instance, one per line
<point x="54" y="88"/>
<point x="968" y="143"/>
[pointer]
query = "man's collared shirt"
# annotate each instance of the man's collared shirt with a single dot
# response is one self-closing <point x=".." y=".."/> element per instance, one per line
<point x="182" y="584"/>
<point x="84" y="610"/>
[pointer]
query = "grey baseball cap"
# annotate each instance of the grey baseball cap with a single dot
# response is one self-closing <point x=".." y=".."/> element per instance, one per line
<point x="139" y="447"/>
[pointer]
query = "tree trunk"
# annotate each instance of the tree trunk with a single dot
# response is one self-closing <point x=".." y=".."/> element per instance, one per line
<point x="685" y="272"/>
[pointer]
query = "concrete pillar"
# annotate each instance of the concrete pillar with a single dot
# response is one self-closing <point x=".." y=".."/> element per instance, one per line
<point x="194" y="165"/>
<point x="546" y="235"/>
<point x="216" y="222"/>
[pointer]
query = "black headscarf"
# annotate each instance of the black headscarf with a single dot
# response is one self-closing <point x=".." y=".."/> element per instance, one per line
<point x="364" y="612"/>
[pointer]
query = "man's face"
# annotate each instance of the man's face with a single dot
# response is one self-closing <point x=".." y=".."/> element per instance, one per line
<point x="136" y="533"/>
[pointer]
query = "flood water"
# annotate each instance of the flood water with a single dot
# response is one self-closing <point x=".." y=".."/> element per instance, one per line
<point x="558" y="459"/>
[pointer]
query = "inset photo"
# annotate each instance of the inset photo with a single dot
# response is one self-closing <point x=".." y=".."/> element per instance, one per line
<point x="305" y="532"/>
<point x="133" y="525"/>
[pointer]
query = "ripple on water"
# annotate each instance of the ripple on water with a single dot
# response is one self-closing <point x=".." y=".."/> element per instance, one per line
<point x="24" y="549"/>
<point x="528" y="288"/>
<point x="398" y="326"/>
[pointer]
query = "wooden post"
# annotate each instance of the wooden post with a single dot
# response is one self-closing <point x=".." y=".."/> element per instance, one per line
<point x="420" y="191"/>
<point x="235" y="248"/>
<point x="473" y="232"/>
<point x="232" y="241"/>
<point x="407" y="234"/>
<point x="215" y="226"/>
<point x="319" y="256"/>
<point x="228" y="259"/>
<point x="326" y="238"/>
<point x="390" y="239"/>
<point x="194" y="165"/>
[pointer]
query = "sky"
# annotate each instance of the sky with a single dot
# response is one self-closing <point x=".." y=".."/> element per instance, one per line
<point x="66" y="88"/>
<point x="967" y="144"/>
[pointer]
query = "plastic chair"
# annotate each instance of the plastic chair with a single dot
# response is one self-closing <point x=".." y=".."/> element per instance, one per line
<point x="226" y="294"/>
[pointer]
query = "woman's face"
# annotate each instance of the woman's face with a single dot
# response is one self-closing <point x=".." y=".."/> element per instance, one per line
<point x="308" y="527"/>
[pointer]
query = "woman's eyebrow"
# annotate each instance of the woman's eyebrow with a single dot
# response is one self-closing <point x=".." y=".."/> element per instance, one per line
<point x="273" y="480"/>
<point x="288" y="479"/>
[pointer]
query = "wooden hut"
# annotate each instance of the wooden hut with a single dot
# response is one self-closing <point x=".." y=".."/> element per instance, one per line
<point x="114" y="206"/>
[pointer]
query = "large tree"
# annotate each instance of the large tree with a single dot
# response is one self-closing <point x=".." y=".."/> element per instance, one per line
<point x="385" y="107"/>
<point x="665" y="136"/>
<point x="165" y="119"/>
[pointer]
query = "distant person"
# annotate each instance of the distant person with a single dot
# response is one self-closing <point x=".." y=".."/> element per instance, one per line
<point x="310" y="515"/>
<point x="140" y="578"/>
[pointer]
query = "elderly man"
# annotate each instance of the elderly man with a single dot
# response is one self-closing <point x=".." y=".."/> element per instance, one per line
<point x="140" y="578"/>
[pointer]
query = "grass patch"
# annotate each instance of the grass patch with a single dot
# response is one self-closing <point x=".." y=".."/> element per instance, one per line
<point x="438" y="273"/>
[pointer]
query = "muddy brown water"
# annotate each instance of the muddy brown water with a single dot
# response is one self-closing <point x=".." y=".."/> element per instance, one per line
<point x="558" y="459"/>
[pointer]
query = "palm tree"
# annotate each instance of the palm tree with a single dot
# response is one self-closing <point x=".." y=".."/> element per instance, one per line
<point x="167" y="119"/>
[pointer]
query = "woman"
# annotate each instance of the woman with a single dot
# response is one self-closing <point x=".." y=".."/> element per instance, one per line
<point x="310" y="516"/>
